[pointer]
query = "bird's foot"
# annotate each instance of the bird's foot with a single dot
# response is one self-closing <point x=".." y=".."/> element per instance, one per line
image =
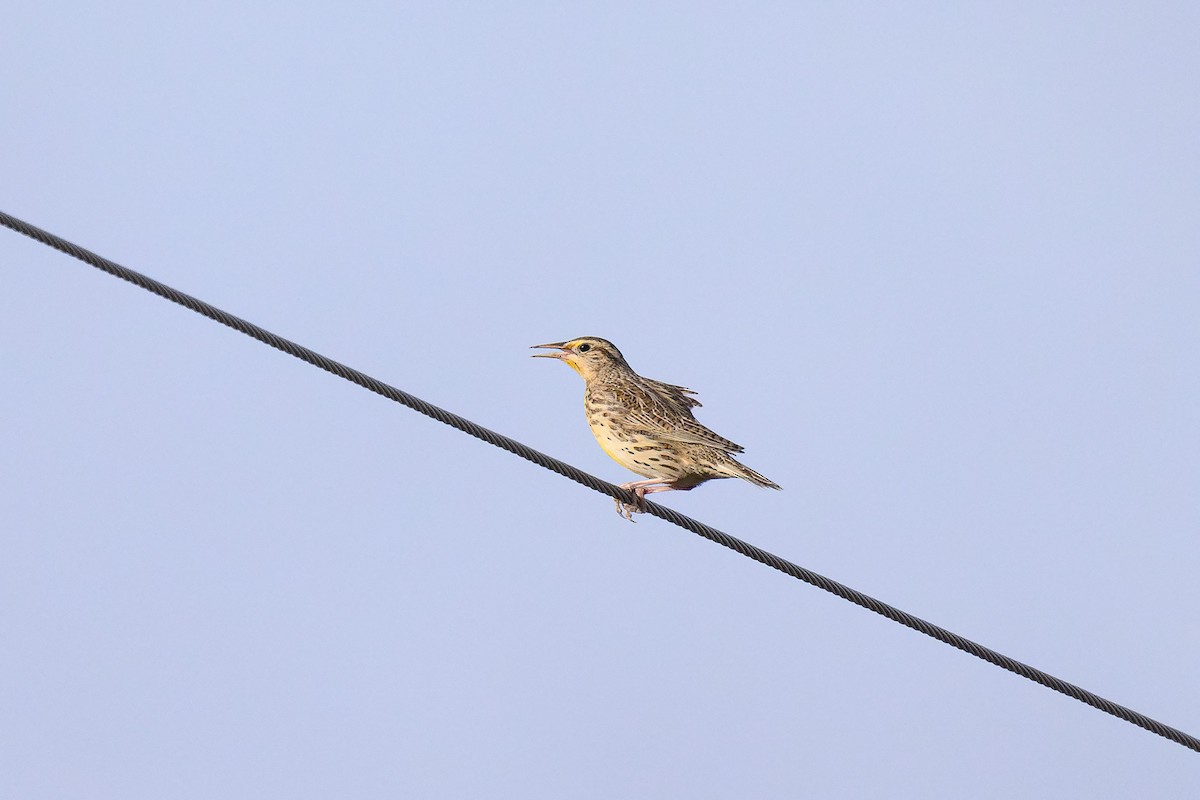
<point x="627" y="510"/>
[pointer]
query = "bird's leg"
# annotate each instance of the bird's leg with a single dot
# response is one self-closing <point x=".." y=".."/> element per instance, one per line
<point x="640" y="489"/>
<point x="666" y="487"/>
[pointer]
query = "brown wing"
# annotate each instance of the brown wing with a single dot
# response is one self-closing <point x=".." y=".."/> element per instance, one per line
<point x="664" y="411"/>
<point x="673" y="393"/>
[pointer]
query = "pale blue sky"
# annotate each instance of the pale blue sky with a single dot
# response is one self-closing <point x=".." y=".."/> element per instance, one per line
<point x="937" y="266"/>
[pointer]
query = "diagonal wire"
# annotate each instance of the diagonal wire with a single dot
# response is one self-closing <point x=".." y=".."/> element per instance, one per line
<point x="592" y="482"/>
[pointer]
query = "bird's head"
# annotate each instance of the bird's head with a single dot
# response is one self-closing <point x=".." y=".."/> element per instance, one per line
<point x="587" y="355"/>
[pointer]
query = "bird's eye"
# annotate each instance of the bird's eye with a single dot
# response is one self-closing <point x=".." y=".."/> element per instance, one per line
<point x="583" y="348"/>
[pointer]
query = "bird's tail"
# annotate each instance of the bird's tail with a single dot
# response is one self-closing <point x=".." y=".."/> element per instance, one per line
<point x="748" y="474"/>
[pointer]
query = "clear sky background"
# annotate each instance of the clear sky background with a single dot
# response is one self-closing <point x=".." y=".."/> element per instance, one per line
<point x="937" y="266"/>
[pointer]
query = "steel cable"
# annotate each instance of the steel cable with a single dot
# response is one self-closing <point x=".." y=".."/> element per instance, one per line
<point x="592" y="482"/>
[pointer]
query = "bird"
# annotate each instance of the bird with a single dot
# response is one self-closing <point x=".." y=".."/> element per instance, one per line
<point x="647" y="426"/>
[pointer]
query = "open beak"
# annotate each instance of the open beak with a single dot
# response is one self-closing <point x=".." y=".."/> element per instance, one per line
<point x="558" y="345"/>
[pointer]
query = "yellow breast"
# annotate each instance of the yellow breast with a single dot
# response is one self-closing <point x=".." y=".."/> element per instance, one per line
<point x="633" y="452"/>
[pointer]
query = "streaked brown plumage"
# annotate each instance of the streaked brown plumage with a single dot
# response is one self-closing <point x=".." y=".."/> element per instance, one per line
<point x="647" y="426"/>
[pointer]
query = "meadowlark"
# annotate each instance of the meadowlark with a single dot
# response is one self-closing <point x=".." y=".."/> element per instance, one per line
<point x="647" y="426"/>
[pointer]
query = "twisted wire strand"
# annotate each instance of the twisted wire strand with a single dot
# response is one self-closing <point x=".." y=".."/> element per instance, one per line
<point x="574" y="473"/>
